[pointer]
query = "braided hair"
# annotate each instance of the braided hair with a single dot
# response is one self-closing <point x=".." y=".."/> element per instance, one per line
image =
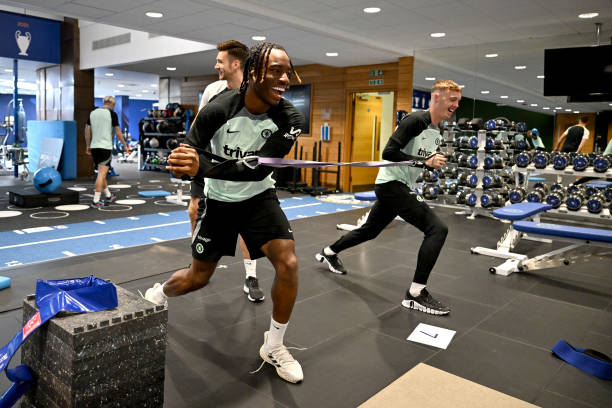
<point x="257" y="64"/>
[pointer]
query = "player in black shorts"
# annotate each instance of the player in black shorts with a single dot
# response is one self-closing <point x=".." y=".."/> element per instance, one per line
<point x="417" y="137"/>
<point x="239" y="199"/>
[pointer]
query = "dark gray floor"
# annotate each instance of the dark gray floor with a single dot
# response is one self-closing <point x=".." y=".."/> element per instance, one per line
<point x="354" y="327"/>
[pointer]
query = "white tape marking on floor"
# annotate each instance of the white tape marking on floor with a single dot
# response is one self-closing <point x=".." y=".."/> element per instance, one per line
<point x="300" y="206"/>
<point x="94" y="235"/>
<point x="320" y="212"/>
<point x="68" y="253"/>
<point x="18" y="232"/>
<point x="164" y="214"/>
<point x="99" y="222"/>
<point x="61" y="227"/>
<point x="297" y="198"/>
<point x="37" y="229"/>
<point x="13" y="263"/>
<point x="133" y="218"/>
<point x="301" y="216"/>
<point x="356" y="206"/>
<point x="156" y="239"/>
<point x="115" y="246"/>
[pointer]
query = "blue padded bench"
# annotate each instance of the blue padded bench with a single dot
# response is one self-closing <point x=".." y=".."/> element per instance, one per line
<point x="520" y="211"/>
<point x="600" y="184"/>
<point x="366" y="196"/>
<point x="154" y="193"/>
<point x="564" y="231"/>
<point x="5" y="282"/>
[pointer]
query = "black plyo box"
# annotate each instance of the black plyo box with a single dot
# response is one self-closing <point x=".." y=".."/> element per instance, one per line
<point x="29" y="197"/>
<point x="111" y="358"/>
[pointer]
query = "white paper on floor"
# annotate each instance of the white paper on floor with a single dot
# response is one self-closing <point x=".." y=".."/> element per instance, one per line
<point x="432" y="335"/>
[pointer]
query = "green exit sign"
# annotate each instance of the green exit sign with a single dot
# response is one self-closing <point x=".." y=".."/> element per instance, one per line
<point x="377" y="72"/>
<point x="374" y="82"/>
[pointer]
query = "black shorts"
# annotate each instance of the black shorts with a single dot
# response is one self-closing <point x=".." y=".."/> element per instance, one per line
<point x="102" y="157"/>
<point x="258" y="220"/>
<point x="197" y="188"/>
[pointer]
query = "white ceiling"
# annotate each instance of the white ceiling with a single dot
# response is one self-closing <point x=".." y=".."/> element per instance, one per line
<point x="518" y="30"/>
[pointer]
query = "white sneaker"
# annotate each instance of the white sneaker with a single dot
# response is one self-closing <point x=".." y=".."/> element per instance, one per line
<point x="156" y="295"/>
<point x="286" y="366"/>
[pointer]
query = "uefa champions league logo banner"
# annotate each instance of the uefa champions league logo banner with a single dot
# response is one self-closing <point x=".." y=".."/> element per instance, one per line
<point x="29" y="38"/>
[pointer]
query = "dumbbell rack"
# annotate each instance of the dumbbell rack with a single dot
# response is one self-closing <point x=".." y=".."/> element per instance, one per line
<point x="148" y="166"/>
<point x="563" y="176"/>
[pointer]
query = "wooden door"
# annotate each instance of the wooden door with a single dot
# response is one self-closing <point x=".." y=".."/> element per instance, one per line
<point x="367" y="116"/>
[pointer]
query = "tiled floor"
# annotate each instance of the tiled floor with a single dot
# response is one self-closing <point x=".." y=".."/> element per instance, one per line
<point x="353" y="326"/>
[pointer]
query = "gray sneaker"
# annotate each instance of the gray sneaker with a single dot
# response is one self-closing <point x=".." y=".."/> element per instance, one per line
<point x="251" y="288"/>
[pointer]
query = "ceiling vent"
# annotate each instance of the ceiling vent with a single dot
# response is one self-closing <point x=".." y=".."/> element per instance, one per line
<point x="111" y="41"/>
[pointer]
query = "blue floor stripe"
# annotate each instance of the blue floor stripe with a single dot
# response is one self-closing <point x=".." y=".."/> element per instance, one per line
<point x="60" y="241"/>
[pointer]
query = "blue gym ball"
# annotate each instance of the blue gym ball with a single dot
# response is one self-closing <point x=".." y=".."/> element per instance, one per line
<point x="47" y="180"/>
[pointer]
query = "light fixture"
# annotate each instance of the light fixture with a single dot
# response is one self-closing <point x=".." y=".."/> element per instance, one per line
<point x="610" y="104"/>
<point x="437" y="35"/>
<point x="540" y="77"/>
<point x="371" y="10"/>
<point x="546" y="108"/>
<point x="138" y="95"/>
<point x="484" y="92"/>
<point x="568" y="110"/>
<point x="154" y="14"/>
<point x="533" y="104"/>
<point x="258" y="38"/>
<point x="8" y="70"/>
<point x="520" y="100"/>
<point x="504" y="96"/>
<point x="491" y="55"/>
<point x="558" y="107"/>
<point x="519" y="67"/>
<point x="171" y="68"/>
<point x="576" y="111"/>
<point x="331" y="54"/>
<point x="109" y="74"/>
<point x="153" y="85"/>
<point x="461" y="86"/>
<point x="145" y="91"/>
<point x="121" y="86"/>
<point x="430" y="78"/>
<point x="115" y="91"/>
<point x="588" y="15"/>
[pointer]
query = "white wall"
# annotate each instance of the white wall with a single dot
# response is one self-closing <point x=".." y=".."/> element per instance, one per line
<point x="387" y="126"/>
<point x="140" y="47"/>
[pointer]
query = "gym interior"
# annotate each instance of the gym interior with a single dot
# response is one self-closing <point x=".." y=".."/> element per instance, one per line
<point x="525" y="267"/>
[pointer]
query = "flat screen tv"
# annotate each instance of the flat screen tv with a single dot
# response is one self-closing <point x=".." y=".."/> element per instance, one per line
<point x="581" y="71"/>
<point x="299" y="96"/>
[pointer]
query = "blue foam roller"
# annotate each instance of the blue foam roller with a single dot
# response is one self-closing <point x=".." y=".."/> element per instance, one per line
<point x="366" y="196"/>
<point x="154" y="193"/>
<point x="5" y="282"/>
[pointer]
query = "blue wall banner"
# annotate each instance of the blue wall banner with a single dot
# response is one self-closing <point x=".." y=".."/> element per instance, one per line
<point x="29" y="38"/>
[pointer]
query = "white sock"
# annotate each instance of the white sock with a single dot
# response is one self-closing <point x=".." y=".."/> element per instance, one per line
<point x="415" y="289"/>
<point x="107" y="192"/>
<point x="328" y="251"/>
<point x="97" y="195"/>
<point x="250" y="266"/>
<point x="159" y="293"/>
<point x="276" y="334"/>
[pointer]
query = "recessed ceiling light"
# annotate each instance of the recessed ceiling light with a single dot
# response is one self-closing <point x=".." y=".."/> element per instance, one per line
<point x="331" y="54"/>
<point x="8" y="70"/>
<point x="546" y="108"/>
<point x="258" y="38"/>
<point x="437" y="35"/>
<point x="519" y="67"/>
<point x="568" y="110"/>
<point x="491" y="55"/>
<point x="138" y="95"/>
<point x="558" y="107"/>
<point x="504" y="96"/>
<point x="610" y="104"/>
<point x="576" y="111"/>
<point x="115" y="90"/>
<point x="461" y="86"/>
<point x="540" y="77"/>
<point x="588" y="15"/>
<point x="371" y="10"/>
<point x="145" y="91"/>
<point x="520" y="100"/>
<point x="154" y="14"/>
<point x="430" y="78"/>
<point x="533" y="104"/>
<point x="153" y="85"/>
<point x="109" y="74"/>
<point x="171" y="68"/>
<point x="484" y="92"/>
<point x="121" y="86"/>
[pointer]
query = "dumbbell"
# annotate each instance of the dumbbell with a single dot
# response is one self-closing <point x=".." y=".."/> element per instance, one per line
<point x="596" y="203"/>
<point x="602" y="163"/>
<point x="488" y="199"/>
<point x="503" y="191"/>
<point x="450" y="172"/>
<point x="507" y="173"/>
<point x="469" y="142"/>
<point x="537" y="196"/>
<point x="557" y="186"/>
<point x="575" y="200"/>
<point x="461" y="196"/>
<point x="541" y="185"/>
<point x="573" y="189"/>
<point x="430" y="176"/>
<point x="491" y="181"/>
<point x="493" y="162"/>
<point x="490" y="143"/>
<point x="523" y="159"/>
<point x="608" y="194"/>
<point x="471" y="199"/>
<point x="517" y="195"/>
<point x="556" y="197"/>
<point x="589" y="191"/>
<point x="467" y="179"/>
<point x="430" y="192"/>
<point x="519" y="144"/>
<point x="452" y="188"/>
<point x="541" y="159"/>
<point x="580" y="162"/>
<point x="560" y="161"/>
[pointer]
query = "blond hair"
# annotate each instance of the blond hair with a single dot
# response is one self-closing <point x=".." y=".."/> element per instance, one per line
<point x="109" y="100"/>
<point x="445" y="85"/>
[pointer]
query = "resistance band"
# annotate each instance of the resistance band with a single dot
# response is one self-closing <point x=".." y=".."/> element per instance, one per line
<point x="591" y="361"/>
<point x="81" y="295"/>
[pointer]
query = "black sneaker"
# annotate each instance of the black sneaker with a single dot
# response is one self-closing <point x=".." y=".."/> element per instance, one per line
<point x="251" y="288"/>
<point x="425" y="303"/>
<point x="333" y="262"/>
<point x="109" y="200"/>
